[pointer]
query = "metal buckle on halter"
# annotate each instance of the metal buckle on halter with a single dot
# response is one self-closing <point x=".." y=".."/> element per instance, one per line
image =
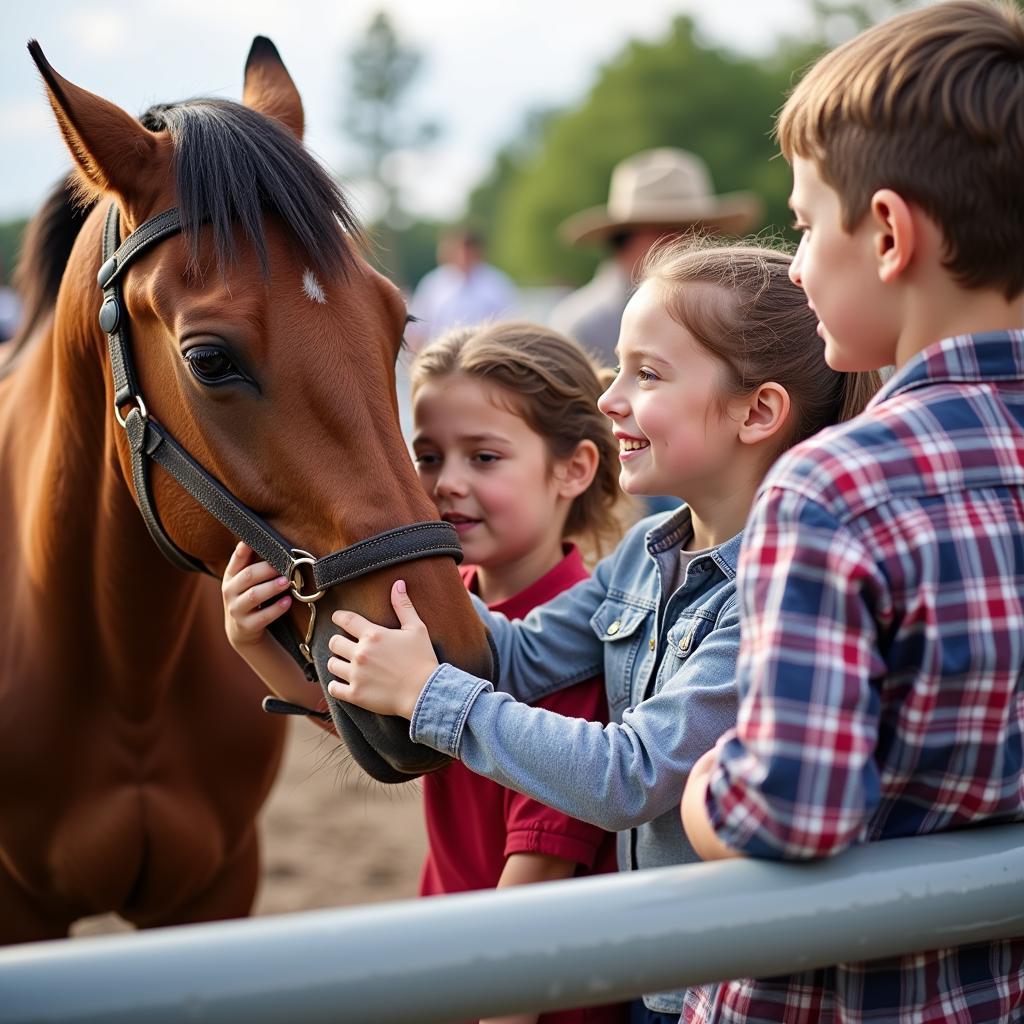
<point x="297" y="580"/>
<point x="138" y="404"/>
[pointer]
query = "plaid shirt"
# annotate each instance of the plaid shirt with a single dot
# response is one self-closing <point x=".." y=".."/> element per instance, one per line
<point x="881" y="674"/>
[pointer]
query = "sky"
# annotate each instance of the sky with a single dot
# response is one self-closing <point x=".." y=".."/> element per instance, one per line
<point x="486" y="64"/>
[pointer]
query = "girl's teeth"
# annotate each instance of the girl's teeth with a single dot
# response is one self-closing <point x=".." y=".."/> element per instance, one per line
<point x="631" y="446"/>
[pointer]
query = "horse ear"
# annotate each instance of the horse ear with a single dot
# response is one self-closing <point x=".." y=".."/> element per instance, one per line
<point x="113" y="151"/>
<point x="269" y="88"/>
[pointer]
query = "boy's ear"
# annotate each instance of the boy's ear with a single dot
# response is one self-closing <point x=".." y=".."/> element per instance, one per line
<point x="767" y="412"/>
<point x="894" y="233"/>
<point x="576" y="473"/>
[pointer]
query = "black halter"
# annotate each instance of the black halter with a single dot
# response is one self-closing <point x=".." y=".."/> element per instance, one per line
<point x="148" y="440"/>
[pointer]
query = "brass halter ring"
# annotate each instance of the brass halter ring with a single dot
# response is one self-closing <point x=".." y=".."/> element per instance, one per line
<point x="139" y="404"/>
<point x="297" y="579"/>
<point x="299" y="559"/>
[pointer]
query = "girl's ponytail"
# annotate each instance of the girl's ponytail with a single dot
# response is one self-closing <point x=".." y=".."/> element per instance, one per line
<point x="858" y="390"/>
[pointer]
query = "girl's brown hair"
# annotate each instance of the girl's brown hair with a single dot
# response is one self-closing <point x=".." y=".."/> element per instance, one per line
<point x="554" y="385"/>
<point x="739" y="303"/>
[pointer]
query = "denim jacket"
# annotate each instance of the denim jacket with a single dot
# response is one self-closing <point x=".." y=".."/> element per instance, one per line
<point x="668" y="667"/>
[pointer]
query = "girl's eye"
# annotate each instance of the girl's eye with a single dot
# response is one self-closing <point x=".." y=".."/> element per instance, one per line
<point x="644" y="375"/>
<point x="426" y="460"/>
<point x="211" y="365"/>
<point x="487" y="457"/>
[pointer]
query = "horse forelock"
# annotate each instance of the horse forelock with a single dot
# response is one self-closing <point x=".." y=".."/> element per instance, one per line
<point x="233" y="166"/>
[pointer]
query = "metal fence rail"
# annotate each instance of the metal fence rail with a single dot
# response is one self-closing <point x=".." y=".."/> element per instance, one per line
<point x="538" y="947"/>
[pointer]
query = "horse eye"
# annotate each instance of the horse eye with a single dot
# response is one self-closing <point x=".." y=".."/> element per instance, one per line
<point x="210" y="365"/>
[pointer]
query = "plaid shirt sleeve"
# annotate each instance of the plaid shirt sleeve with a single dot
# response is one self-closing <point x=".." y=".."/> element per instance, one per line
<point x="796" y="778"/>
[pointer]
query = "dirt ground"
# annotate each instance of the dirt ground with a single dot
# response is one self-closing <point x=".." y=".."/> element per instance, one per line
<point x="331" y="836"/>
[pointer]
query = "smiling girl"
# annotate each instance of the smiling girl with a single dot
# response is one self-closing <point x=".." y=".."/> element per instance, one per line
<point x="721" y="369"/>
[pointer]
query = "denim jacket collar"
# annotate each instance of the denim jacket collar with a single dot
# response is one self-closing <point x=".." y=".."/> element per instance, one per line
<point x="677" y="527"/>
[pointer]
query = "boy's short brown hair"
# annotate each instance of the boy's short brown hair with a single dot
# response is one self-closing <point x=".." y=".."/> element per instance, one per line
<point x="930" y="104"/>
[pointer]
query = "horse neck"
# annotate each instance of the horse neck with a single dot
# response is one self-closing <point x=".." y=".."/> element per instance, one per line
<point x="94" y="572"/>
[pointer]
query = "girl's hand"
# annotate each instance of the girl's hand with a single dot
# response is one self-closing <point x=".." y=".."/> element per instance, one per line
<point x="383" y="670"/>
<point x="247" y="584"/>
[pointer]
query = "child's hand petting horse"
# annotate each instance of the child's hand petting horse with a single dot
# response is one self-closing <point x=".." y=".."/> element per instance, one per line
<point x="254" y="595"/>
<point x="383" y="670"/>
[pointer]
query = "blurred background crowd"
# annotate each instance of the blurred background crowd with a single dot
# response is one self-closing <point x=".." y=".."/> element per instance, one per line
<point x="549" y="201"/>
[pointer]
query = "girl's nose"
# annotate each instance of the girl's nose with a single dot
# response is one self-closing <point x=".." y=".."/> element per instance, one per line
<point x="450" y="482"/>
<point x="611" y="402"/>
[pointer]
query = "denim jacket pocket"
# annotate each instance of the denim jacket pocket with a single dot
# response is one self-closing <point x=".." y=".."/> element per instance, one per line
<point x="619" y="626"/>
<point x="686" y="633"/>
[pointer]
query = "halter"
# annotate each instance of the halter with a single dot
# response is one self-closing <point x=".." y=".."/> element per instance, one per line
<point x="149" y="441"/>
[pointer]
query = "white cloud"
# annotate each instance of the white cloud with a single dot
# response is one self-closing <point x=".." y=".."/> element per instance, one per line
<point x="99" y="31"/>
<point x="25" y="118"/>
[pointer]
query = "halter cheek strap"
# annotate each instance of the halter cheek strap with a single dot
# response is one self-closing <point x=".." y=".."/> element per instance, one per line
<point x="149" y="442"/>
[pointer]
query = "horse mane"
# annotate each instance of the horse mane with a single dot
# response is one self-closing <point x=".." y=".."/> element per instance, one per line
<point x="234" y="165"/>
<point x="45" y="249"/>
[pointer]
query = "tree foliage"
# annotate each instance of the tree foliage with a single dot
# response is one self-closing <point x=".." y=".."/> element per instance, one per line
<point x="674" y="92"/>
<point x="381" y="68"/>
<point x="11" y="232"/>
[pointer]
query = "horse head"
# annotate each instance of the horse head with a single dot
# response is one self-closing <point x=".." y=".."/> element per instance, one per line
<point x="265" y="345"/>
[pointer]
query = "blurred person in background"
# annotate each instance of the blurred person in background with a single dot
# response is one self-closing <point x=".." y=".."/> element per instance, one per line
<point x="653" y="194"/>
<point x="462" y="291"/>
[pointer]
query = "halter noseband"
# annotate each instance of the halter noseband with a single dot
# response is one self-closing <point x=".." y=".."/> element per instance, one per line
<point x="149" y="441"/>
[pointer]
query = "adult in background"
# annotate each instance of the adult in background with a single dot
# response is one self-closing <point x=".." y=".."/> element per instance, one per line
<point x="654" y="193"/>
<point x="462" y="291"/>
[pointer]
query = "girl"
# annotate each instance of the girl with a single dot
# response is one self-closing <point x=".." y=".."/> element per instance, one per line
<point x="509" y="442"/>
<point x="721" y="369"/>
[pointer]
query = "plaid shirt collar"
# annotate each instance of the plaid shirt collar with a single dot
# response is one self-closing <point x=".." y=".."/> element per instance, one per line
<point x="962" y="359"/>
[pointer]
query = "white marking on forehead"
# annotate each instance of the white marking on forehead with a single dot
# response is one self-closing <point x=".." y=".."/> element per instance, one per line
<point x="311" y="286"/>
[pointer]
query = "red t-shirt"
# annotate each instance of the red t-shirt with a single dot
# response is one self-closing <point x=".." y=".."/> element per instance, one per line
<point x="474" y="825"/>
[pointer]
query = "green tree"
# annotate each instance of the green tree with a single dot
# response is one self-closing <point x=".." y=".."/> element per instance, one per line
<point x="381" y="67"/>
<point x="11" y="232"/>
<point x="674" y="92"/>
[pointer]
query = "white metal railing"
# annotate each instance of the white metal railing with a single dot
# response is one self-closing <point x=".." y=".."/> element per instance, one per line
<point x="536" y="947"/>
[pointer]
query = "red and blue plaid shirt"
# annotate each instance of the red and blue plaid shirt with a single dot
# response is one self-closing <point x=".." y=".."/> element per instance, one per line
<point x="881" y="673"/>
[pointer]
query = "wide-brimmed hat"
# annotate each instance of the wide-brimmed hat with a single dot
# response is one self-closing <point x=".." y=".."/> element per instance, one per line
<point x="667" y="188"/>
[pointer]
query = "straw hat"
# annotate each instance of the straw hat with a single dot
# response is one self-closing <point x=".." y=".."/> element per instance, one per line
<point x="667" y="188"/>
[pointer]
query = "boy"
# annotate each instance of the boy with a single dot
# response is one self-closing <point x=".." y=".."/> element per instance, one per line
<point x="882" y="578"/>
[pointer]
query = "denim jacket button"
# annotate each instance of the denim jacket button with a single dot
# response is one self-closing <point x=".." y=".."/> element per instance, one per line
<point x="614" y="627"/>
<point x="650" y="644"/>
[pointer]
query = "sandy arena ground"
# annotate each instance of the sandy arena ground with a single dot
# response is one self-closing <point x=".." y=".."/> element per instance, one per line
<point x="331" y="836"/>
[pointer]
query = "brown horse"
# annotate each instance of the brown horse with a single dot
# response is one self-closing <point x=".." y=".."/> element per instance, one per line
<point x="134" y="754"/>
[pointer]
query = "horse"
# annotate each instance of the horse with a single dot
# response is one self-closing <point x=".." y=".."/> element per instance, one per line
<point x="235" y="377"/>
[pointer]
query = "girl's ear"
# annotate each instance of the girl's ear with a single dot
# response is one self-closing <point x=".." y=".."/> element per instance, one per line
<point x="576" y="473"/>
<point x="766" y="412"/>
